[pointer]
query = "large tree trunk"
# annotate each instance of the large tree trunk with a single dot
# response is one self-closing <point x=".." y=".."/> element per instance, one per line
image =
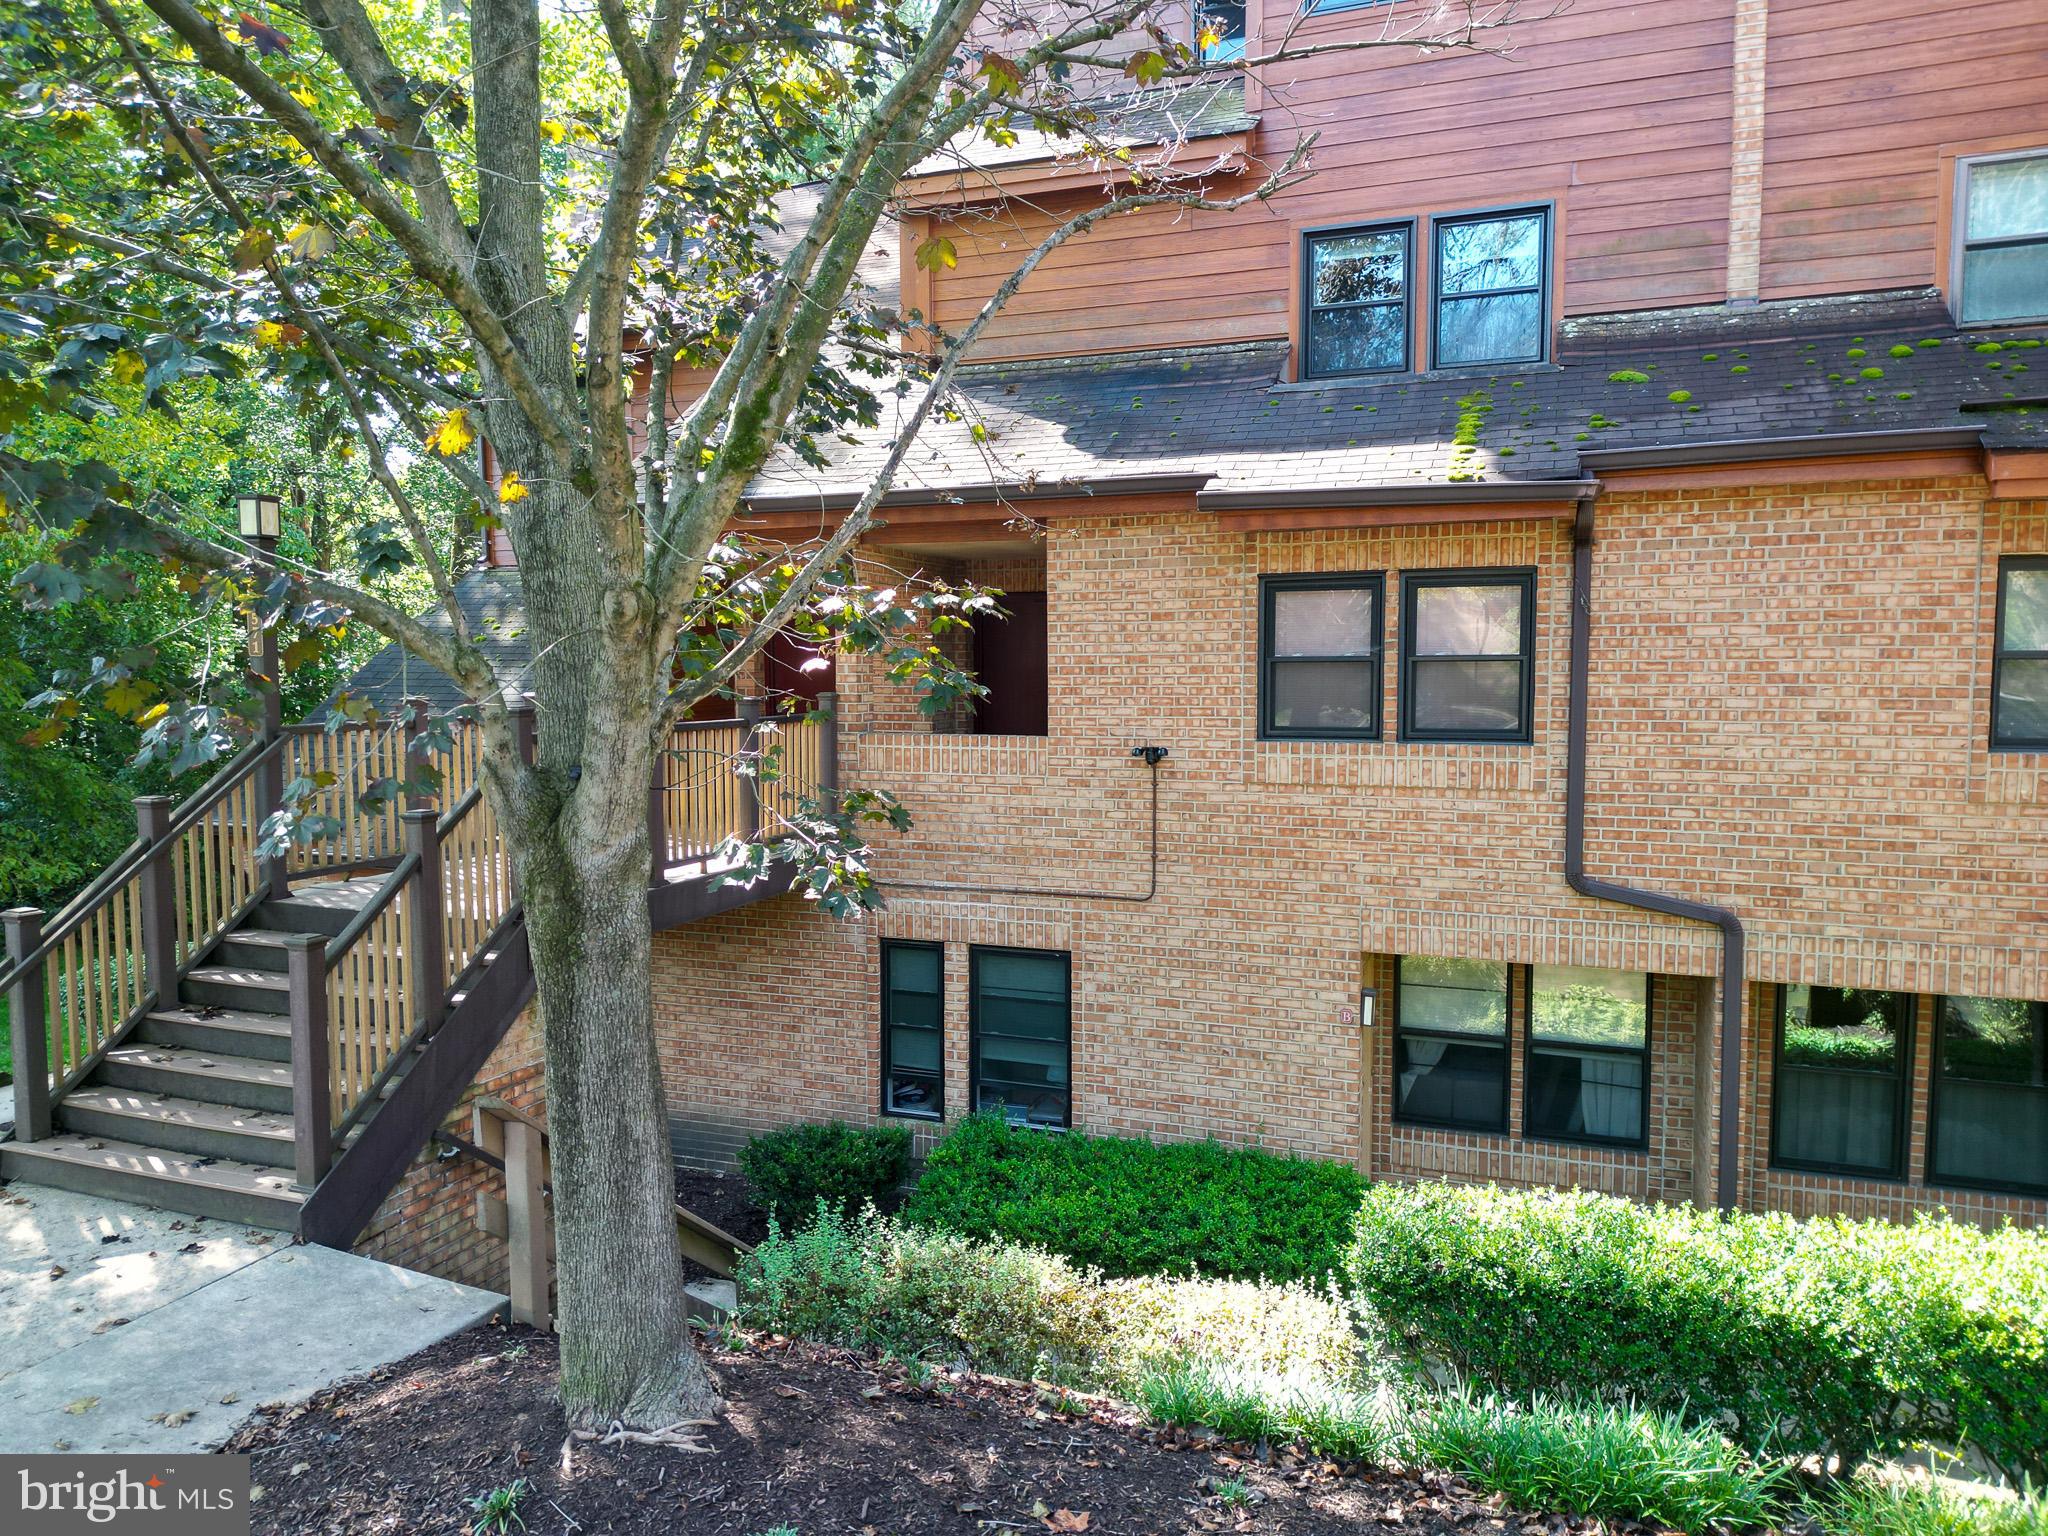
<point x="626" y="1348"/>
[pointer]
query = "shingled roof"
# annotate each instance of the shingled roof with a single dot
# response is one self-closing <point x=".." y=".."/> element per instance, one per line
<point x="1882" y="363"/>
<point x="494" y="605"/>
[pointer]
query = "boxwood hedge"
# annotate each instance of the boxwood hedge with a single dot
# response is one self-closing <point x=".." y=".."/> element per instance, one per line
<point x="1822" y="1336"/>
<point x="1128" y="1206"/>
<point x="791" y="1169"/>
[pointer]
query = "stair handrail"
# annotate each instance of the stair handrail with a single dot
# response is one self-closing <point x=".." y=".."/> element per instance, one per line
<point x="387" y="892"/>
<point x="76" y="912"/>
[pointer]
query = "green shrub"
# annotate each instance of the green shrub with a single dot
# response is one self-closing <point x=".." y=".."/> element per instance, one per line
<point x="1133" y="1207"/>
<point x="869" y="1282"/>
<point x="1802" y="1337"/>
<point x="1597" y="1459"/>
<point x="1328" y="1419"/>
<point x="792" y="1169"/>
<point x="1918" y="1506"/>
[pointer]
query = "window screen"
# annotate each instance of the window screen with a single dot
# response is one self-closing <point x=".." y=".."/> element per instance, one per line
<point x="1467" y="644"/>
<point x="1589" y="1037"/>
<point x="1839" y="1099"/>
<point x="1320" y="656"/>
<point x="1991" y="1094"/>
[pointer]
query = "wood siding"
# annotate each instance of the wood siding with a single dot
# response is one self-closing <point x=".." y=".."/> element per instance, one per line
<point x="1619" y="113"/>
<point x="1863" y="97"/>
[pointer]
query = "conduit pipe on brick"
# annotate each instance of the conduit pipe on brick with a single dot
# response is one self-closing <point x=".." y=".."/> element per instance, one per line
<point x="1727" y="1171"/>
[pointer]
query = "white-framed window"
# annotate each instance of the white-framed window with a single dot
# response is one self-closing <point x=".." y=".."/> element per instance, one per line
<point x="2001" y="224"/>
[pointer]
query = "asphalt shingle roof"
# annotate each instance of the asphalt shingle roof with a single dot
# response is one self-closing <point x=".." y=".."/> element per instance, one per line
<point x="494" y="604"/>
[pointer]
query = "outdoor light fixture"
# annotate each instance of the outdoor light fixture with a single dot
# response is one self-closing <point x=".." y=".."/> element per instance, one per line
<point x="259" y="516"/>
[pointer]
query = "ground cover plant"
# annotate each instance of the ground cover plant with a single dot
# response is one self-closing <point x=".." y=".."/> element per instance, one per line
<point x="1867" y="1505"/>
<point x="1130" y="1206"/>
<point x="1828" y="1337"/>
<point x="791" y="1169"/>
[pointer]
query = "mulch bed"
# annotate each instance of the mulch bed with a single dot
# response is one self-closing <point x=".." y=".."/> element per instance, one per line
<point x="824" y="1441"/>
<point x="724" y="1200"/>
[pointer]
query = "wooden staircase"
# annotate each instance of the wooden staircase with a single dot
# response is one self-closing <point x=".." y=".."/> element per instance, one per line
<point x="223" y="1035"/>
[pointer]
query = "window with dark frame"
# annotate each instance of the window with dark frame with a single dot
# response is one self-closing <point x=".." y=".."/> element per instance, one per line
<point x="2019" y="655"/>
<point x="914" y="1029"/>
<point x="1021" y="1033"/>
<point x="1220" y="30"/>
<point x="1356" y="285"/>
<point x="1588" y="1056"/>
<point x="1838" y="1101"/>
<point x="2002" y="239"/>
<point x="1989" y="1121"/>
<point x="1451" y="1043"/>
<point x="1467" y="655"/>
<point x="1490" y="286"/>
<point x="1319" y="656"/>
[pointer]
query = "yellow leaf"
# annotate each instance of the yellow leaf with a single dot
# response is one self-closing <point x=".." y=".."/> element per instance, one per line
<point x="309" y="242"/>
<point x="128" y="366"/>
<point x="151" y="715"/>
<point x="304" y="97"/>
<point x="452" y="435"/>
<point x="512" y="488"/>
<point x="556" y="132"/>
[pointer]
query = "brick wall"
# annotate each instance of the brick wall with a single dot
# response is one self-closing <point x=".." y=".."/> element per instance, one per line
<point x="1788" y="715"/>
<point x="428" y="1221"/>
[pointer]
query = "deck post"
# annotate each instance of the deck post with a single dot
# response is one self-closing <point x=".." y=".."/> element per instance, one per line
<point x="526" y="1221"/>
<point x="25" y="1016"/>
<point x="305" y="957"/>
<point x="828" y="742"/>
<point x="274" y="873"/>
<point x="657" y="818"/>
<point x="428" y="938"/>
<point x="159" y="892"/>
<point x="417" y="711"/>
<point x="750" y="783"/>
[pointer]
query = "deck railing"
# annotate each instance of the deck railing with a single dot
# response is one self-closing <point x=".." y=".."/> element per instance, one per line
<point x="361" y="1002"/>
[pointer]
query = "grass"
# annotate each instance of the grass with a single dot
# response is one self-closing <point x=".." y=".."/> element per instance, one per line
<point x="1598" y="1459"/>
<point x="498" y="1510"/>
<point x="1238" y="1405"/>
<point x="1867" y="1505"/>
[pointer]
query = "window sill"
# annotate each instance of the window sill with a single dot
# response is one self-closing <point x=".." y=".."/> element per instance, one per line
<point x="1418" y="376"/>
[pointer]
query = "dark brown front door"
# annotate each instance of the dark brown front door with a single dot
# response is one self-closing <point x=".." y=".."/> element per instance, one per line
<point x="1010" y="659"/>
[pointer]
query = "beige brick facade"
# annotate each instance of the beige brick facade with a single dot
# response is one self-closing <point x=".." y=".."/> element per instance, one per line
<point x="1789" y="715"/>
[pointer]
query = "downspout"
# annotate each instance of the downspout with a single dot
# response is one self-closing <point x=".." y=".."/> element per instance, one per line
<point x="1727" y="1171"/>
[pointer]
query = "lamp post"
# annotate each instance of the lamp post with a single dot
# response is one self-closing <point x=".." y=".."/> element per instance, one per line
<point x="260" y="517"/>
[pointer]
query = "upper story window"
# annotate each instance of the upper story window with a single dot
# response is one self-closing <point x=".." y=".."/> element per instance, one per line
<point x="2002" y="260"/>
<point x="1839" y="1100"/>
<point x="1357" y="300"/>
<point x="1990" y="1094"/>
<point x="1467" y="655"/>
<point x="1490" y="288"/>
<point x="2019" y="656"/>
<point x="913" y="1028"/>
<point x="1451" y="1042"/>
<point x="1319" y="656"/>
<point x="1589" y="1055"/>
<point x="1219" y="30"/>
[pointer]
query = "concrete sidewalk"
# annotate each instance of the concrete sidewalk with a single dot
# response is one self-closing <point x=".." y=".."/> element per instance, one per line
<point x="124" y="1328"/>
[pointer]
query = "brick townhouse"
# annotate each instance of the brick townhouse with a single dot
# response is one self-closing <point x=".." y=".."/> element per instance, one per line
<point x="1582" y="562"/>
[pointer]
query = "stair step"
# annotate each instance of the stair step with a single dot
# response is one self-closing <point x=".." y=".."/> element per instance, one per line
<point x="256" y="949"/>
<point x="250" y="1082"/>
<point x="121" y="1170"/>
<point x="321" y="907"/>
<point x="194" y="1126"/>
<point x="235" y="986"/>
<point x="265" y="1036"/>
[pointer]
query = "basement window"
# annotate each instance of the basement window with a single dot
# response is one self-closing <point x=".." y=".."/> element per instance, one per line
<point x="1021" y="1033"/>
<point x="1589" y="1055"/>
<point x="1319" y="657"/>
<point x="2001" y="262"/>
<point x="913" y="1029"/>
<point x="1467" y="654"/>
<point x="1838" y="1102"/>
<point x="2019" y="658"/>
<point x="1451" y="1043"/>
<point x="1990" y="1122"/>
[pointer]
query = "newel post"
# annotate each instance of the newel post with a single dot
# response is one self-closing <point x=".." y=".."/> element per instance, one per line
<point x="750" y="784"/>
<point x="159" y="892"/>
<point x="274" y="873"/>
<point x="828" y="742"/>
<point x="305" y="957"/>
<point x="427" y="939"/>
<point x="25" y="1016"/>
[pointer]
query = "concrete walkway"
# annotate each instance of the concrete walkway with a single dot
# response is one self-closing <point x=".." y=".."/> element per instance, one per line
<point x="124" y="1328"/>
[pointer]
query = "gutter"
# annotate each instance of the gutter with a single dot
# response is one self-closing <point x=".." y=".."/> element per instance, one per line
<point x="1411" y="494"/>
<point x="1738" y="450"/>
<point x="1727" y="1170"/>
<point x="969" y="495"/>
